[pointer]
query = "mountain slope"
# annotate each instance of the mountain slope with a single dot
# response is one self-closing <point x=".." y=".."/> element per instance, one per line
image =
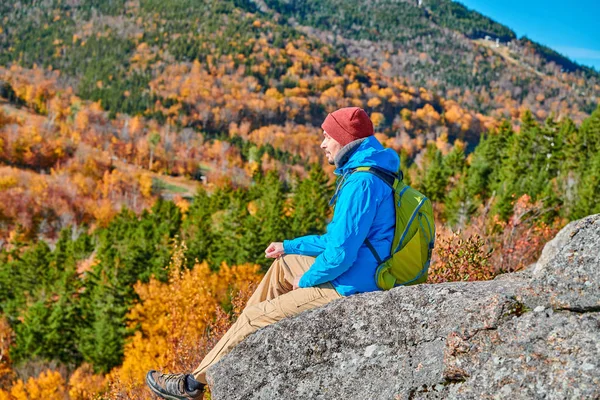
<point x="432" y="46"/>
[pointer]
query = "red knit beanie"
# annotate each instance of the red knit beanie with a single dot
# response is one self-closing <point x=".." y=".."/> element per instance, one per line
<point x="348" y="124"/>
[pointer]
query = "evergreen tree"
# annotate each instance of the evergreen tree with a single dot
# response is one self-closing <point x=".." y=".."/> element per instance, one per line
<point x="310" y="204"/>
<point x="196" y="229"/>
<point x="590" y="135"/>
<point x="404" y="166"/>
<point x="49" y="326"/>
<point x="569" y="134"/>
<point x="588" y="193"/>
<point x="455" y="160"/>
<point x="487" y="160"/>
<point x="273" y="222"/>
<point x="228" y="228"/>
<point x="102" y="338"/>
<point x="435" y="174"/>
<point x="515" y="178"/>
<point x="130" y="249"/>
<point x="459" y="205"/>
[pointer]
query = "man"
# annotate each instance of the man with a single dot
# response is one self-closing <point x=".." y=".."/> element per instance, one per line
<point x="314" y="270"/>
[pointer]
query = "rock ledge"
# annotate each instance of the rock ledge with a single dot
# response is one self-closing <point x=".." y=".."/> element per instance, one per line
<point x="534" y="334"/>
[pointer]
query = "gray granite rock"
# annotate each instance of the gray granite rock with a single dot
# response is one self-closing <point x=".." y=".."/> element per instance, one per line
<point x="535" y="334"/>
<point x="567" y="275"/>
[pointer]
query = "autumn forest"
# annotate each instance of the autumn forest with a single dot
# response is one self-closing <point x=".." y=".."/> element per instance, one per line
<point x="151" y="150"/>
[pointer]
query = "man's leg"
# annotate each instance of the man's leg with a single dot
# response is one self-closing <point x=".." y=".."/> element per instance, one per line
<point x="280" y="276"/>
<point x="272" y="301"/>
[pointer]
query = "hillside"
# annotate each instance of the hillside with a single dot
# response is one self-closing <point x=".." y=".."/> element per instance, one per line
<point x="151" y="150"/>
<point x="436" y="46"/>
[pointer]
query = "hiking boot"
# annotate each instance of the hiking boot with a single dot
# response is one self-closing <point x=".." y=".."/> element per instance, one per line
<point x="173" y="386"/>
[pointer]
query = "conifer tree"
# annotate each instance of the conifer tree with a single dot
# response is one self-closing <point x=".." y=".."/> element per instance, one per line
<point x="310" y="204"/>
<point x="455" y="160"/>
<point x="228" y="231"/>
<point x="514" y="174"/>
<point x="273" y="221"/>
<point x="196" y="230"/>
<point x="569" y="134"/>
<point x="590" y="135"/>
<point x="487" y="159"/>
<point x="588" y="193"/>
<point x="404" y="166"/>
<point x="435" y="175"/>
<point x="459" y="206"/>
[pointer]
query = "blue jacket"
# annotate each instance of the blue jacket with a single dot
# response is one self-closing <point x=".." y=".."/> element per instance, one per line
<point x="364" y="209"/>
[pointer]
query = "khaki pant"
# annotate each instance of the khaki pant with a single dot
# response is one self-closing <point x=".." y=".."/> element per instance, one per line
<point x="272" y="301"/>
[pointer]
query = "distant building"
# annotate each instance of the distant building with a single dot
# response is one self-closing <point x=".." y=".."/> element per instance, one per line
<point x="488" y="37"/>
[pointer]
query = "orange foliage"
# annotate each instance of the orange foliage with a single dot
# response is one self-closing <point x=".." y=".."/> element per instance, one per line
<point x="173" y="318"/>
<point x="6" y="338"/>
<point x="84" y="384"/>
<point x="49" y="385"/>
<point x="487" y="248"/>
<point x="460" y="259"/>
<point x="522" y="238"/>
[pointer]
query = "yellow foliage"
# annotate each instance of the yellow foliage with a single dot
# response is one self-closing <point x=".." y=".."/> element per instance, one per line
<point x="353" y="89"/>
<point x="374" y="102"/>
<point x="405" y="114"/>
<point x="377" y="119"/>
<point x="182" y="204"/>
<point x="135" y="125"/>
<point x="425" y="95"/>
<point x="251" y="168"/>
<point x="104" y="213"/>
<point x="252" y="208"/>
<point x="38" y="185"/>
<point x="338" y="80"/>
<point x="84" y="384"/>
<point x="145" y="181"/>
<point x="428" y="114"/>
<point x="173" y="316"/>
<point x="334" y="92"/>
<point x="49" y="385"/>
<point x="6" y="182"/>
<point x="385" y="92"/>
<point x="273" y="93"/>
<point x="406" y="97"/>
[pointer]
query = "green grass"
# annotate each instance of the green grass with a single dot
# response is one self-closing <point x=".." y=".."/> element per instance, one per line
<point x="158" y="185"/>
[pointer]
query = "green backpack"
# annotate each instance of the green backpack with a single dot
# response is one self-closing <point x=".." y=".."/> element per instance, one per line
<point x="414" y="236"/>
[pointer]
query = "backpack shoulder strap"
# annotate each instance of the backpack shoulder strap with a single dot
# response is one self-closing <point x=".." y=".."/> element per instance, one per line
<point x="390" y="179"/>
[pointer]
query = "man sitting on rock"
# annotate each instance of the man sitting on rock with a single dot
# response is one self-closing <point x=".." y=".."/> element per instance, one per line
<point x="314" y="270"/>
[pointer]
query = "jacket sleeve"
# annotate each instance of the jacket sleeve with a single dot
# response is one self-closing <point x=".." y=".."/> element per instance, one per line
<point x="311" y="245"/>
<point x="354" y="213"/>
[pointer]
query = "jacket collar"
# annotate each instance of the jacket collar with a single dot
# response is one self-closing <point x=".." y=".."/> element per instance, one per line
<point x="342" y="157"/>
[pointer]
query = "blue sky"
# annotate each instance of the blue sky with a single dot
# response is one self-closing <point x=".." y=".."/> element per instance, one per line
<point x="570" y="27"/>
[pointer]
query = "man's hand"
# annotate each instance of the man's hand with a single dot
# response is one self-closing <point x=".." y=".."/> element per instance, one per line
<point x="296" y="282"/>
<point x="274" y="250"/>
